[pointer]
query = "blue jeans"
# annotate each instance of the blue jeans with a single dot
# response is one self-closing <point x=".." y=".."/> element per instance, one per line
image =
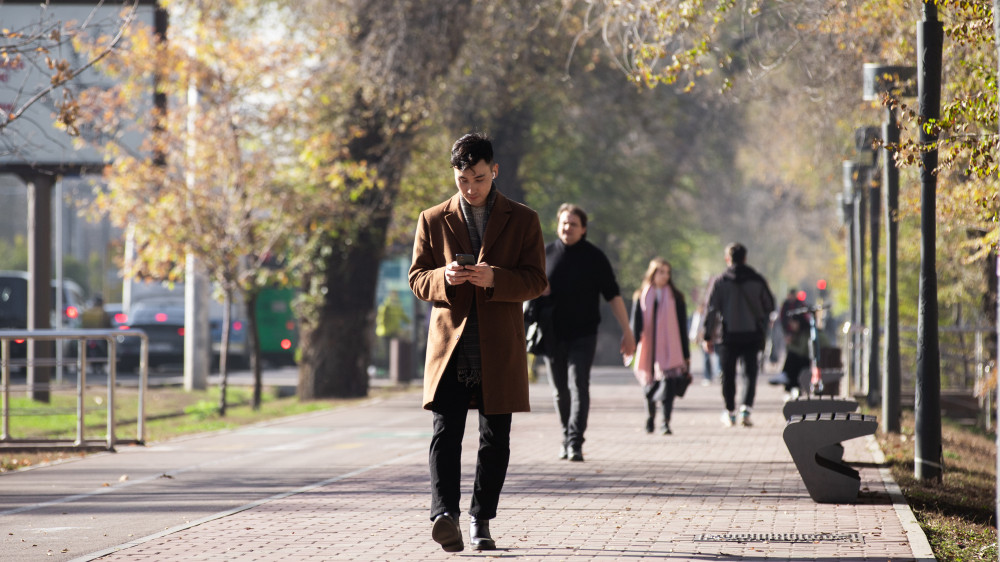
<point x="569" y="374"/>
<point x="711" y="362"/>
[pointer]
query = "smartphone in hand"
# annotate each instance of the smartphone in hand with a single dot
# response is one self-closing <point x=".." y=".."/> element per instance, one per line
<point x="465" y="259"/>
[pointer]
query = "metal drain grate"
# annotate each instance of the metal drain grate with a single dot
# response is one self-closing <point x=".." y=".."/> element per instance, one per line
<point x="780" y="537"/>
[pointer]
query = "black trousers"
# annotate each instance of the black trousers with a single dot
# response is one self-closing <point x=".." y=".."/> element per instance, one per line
<point x="729" y="355"/>
<point x="662" y="391"/>
<point x="451" y="409"/>
<point x="569" y="375"/>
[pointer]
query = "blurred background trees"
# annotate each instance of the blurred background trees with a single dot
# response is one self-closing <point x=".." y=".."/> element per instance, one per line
<point x="679" y="126"/>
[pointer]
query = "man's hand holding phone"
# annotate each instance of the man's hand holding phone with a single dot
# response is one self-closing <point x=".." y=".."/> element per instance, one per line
<point x="464" y="269"/>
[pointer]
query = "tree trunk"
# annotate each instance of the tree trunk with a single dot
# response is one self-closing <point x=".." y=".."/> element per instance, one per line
<point x="511" y="133"/>
<point x="224" y="350"/>
<point x="337" y="348"/>
<point x="253" y="341"/>
<point x="336" y="353"/>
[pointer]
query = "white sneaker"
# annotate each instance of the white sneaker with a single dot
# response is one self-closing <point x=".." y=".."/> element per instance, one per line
<point x="745" y="417"/>
<point x="728" y="418"/>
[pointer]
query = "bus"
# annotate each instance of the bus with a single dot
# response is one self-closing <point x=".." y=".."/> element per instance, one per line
<point x="277" y="326"/>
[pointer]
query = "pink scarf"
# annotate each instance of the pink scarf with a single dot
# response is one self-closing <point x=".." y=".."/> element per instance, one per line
<point x="669" y="355"/>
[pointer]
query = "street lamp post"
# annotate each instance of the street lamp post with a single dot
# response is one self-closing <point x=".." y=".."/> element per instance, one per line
<point x="852" y="172"/>
<point x="845" y="207"/>
<point x="927" y="399"/>
<point x="893" y="82"/>
<point x="891" y="383"/>
<point x="996" y="32"/>
<point x="864" y="142"/>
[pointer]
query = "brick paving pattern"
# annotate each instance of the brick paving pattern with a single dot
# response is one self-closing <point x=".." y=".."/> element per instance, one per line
<point x="707" y="492"/>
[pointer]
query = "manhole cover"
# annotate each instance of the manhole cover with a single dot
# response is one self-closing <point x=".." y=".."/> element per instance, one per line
<point x="780" y="537"/>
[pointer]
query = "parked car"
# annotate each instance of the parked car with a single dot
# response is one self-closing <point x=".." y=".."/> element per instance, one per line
<point x="238" y="355"/>
<point x="163" y="322"/>
<point x="115" y="312"/>
<point x="14" y="307"/>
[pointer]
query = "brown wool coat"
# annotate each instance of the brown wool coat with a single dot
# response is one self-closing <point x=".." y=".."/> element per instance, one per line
<point x="513" y="246"/>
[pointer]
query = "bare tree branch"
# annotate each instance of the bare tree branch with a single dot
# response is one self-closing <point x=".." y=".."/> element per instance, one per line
<point x="63" y="76"/>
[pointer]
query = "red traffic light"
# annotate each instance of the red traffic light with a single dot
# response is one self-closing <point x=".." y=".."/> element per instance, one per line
<point x="821" y="284"/>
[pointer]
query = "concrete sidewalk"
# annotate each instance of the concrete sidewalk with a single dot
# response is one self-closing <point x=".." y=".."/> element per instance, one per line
<point x="707" y="492"/>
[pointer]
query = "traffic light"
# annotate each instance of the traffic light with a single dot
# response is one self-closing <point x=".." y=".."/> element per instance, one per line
<point x="821" y="288"/>
<point x="821" y="300"/>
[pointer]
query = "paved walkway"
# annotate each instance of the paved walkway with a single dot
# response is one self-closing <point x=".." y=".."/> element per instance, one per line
<point x="707" y="492"/>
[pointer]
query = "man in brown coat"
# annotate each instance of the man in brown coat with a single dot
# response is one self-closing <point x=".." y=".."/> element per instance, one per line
<point x="476" y="354"/>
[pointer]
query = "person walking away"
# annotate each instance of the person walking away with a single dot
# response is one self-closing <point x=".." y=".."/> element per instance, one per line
<point x="740" y="299"/>
<point x="794" y="320"/>
<point x="96" y="317"/>
<point x="663" y="357"/>
<point x="476" y="357"/>
<point x="695" y="333"/>
<point x="579" y="274"/>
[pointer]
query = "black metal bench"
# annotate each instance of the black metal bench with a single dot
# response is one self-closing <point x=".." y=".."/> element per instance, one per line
<point x="814" y="440"/>
<point x="802" y="406"/>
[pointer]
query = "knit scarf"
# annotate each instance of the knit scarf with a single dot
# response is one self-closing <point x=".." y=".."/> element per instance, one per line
<point x="663" y="357"/>
<point x="468" y="355"/>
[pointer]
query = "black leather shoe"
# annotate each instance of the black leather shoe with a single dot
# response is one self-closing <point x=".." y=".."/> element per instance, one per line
<point x="563" y="452"/>
<point x="576" y="455"/>
<point x="447" y="533"/>
<point x="479" y="531"/>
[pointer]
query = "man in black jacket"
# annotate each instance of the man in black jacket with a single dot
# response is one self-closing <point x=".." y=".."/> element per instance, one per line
<point x="741" y="300"/>
<point x="579" y="275"/>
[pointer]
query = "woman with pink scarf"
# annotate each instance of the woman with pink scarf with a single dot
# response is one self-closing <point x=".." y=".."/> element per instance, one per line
<point x="659" y="322"/>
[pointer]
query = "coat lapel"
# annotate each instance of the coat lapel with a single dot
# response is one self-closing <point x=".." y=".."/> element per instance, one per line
<point x="456" y="223"/>
<point x="498" y="220"/>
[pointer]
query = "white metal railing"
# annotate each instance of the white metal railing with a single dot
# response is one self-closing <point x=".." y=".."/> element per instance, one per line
<point x="82" y="363"/>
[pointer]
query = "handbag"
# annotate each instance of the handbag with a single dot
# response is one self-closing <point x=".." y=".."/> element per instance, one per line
<point x="537" y="326"/>
<point x="534" y="339"/>
<point x="682" y="384"/>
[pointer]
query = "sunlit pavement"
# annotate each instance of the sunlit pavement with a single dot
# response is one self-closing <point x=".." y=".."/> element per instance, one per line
<point x="707" y="492"/>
